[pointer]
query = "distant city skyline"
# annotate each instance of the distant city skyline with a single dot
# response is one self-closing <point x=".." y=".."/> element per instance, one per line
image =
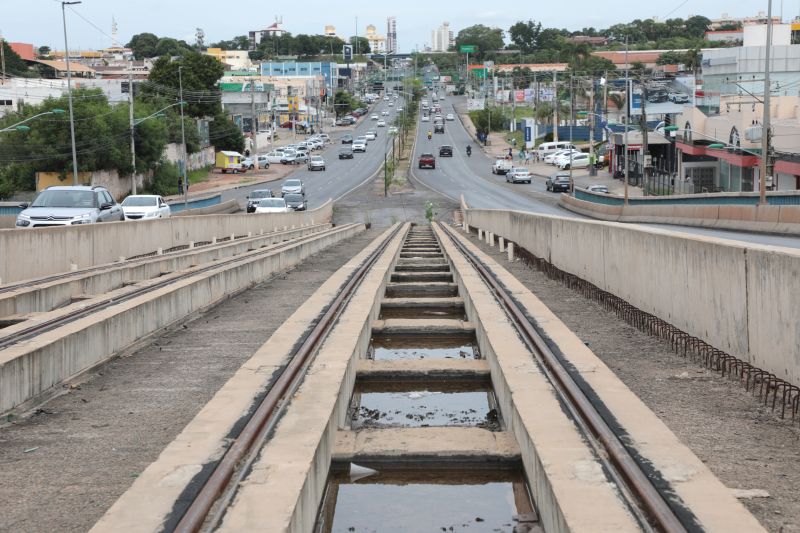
<point x="90" y="23"/>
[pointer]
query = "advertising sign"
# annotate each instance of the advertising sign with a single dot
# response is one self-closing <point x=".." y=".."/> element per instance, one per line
<point x="546" y="94"/>
<point x="519" y="96"/>
<point x="468" y="49"/>
<point x="475" y="104"/>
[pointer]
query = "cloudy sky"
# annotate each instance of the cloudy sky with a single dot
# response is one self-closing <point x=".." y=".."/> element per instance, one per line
<point x="39" y="21"/>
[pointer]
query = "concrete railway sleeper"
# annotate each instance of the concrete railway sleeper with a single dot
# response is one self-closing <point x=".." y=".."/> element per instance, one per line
<point x="775" y="392"/>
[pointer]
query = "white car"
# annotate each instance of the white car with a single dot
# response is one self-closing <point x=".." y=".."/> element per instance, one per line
<point x="360" y="145"/>
<point x="374" y="117"/>
<point x="450" y="117"/>
<point x="400" y="109"/>
<point x="273" y="157"/>
<point x="550" y="158"/>
<point x="263" y="161"/>
<point x="426" y="118"/>
<point x="272" y="205"/>
<point x="145" y="206"/>
<point x="384" y="113"/>
<point x="316" y="163"/>
<point x="578" y="161"/>
<point x="391" y="104"/>
<point x="392" y="130"/>
<point x="381" y="124"/>
<point x="518" y="175"/>
<point x="371" y="135"/>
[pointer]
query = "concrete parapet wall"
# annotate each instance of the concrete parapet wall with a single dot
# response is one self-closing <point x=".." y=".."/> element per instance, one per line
<point x="782" y="219"/>
<point x="738" y="297"/>
<point x="28" y="254"/>
<point x="229" y="207"/>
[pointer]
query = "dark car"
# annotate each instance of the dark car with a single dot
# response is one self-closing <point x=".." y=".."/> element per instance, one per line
<point x="438" y="127"/>
<point x="427" y="161"/>
<point x="346" y="153"/>
<point x="296" y="202"/>
<point x="559" y="182"/>
<point x="255" y="197"/>
<point x="446" y="151"/>
<point x="347" y="139"/>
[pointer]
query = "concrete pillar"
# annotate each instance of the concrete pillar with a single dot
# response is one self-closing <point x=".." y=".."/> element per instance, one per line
<point x="160" y="251"/>
<point x="480" y="234"/>
<point x="233" y="237"/>
<point x="285" y="228"/>
<point x="275" y="229"/>
<point x="214" y="240"/>
<point x="511" y="251"/>
<point x="466" y="228"/>
<point x="122" y="259"/>
<point x="292" y="226"/>
<point x="73" y="267"/>
<point x="261" y="231"/>
<point x="191" y="245"/>
<point x="249" y="233"/>
<point x="490" y="238"/>
<point x="501" y="242"/>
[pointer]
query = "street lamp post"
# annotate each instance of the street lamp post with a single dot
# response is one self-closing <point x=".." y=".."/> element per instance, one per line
<point x="765" y="121"/>
<point x="183" y="142"/>
<point x="69" y="93"/>
<point x="20" y="126"/>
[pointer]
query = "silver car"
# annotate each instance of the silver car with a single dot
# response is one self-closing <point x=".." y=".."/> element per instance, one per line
<point x="293" y="187"/>
<point x="316" y="163"/>
<point x="69" y="206"/>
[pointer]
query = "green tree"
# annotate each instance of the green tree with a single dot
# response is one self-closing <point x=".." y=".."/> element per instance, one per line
<point x="486" y="39"/>
<point x="200" y="75"/>
<point x="15" y="65"/>
<point x="697" y="26"/>
<point x="143" y="45"/>
<point x="43" y="51"/>
<point x="360" y="45"/>
<point x="525" y="35"/>
<point x="240" y="42"/>
<point x="168" y="46"/>
<point x="225" y="135"/>
<point x="487" y="120"/>
<point x="671" y="58"/>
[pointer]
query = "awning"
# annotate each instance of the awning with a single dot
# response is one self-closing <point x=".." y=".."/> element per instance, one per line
<point x="739" y="160"/>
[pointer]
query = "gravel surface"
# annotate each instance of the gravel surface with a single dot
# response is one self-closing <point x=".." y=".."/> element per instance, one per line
<point x="741" y="441"/>
<point x="64" y="466"/>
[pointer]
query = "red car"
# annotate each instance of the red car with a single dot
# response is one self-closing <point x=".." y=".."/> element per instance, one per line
<point x="427" y="161"/>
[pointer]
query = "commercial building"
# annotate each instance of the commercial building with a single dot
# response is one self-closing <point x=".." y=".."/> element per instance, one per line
<point x="328" y="70"/>
<point x="273" y="30"/>
<point x="377" y="43"/>
<point x="442" y="38"/>
<point x="727" y="21"/>
<point x="391" y="35"/>
<point x="233" y="59"/>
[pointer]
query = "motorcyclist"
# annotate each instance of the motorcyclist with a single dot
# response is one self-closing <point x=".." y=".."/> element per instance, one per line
<point x="469" y="150"/>
<point x="430" y="135"/>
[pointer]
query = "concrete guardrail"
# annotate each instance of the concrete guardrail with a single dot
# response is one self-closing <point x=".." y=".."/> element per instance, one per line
<point x="737" y="297"/>
<point x="28" y="254"/>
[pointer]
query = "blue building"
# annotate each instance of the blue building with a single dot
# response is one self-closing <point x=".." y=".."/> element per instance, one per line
<point x="327" y="69"/>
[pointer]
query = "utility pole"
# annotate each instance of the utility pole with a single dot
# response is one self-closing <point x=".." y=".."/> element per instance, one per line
<point x="253" y="121"/>
<point x="130" y="116"/>
<point x="592" y="167"/>
<point x="645" y="145"/>
<point x="555" y="106"/>
<point x="69" y="94"/>
<point x="764" y="167"/>
<point x="3" y="57"/>
<point x="183" y="142"/>
<point x="571" y="124"/>
<point x="627" y="120"/>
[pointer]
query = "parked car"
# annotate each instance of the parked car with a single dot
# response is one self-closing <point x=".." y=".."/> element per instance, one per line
<point x="371" y="135"/>
<point x="550" y="158"/>
<point x="559" y="182"/>
<point x="145" y="206"/>
<point x="316" y="163"/>
<point x="598" y="188"/>
<point x="427" y="160"/>
<point x="272" y="205"/>
<point x="346" y="153"/>
<point x="289" y="157"/>
<point x="445" y="151"/>
<point x="248" y="164"/>
<point x="518" y="175"/>
<point x="578" y="161"/>
<point x="501" y="166"/>
<point x="255" y="197"/>
<point x="69" y="206"/>
<point x="449" y="117"/>
<point x="325" y="138"/>
<point x="347" y="139"/>
<point x="293" y="186"/>
<point x="360" y="145"/>
<point x="296" y="202"/>
<point x="263" y="161"/>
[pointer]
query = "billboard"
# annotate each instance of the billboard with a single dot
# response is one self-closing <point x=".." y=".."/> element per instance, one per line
<point x="476" y="104"/>
<point x="468" y="49"/>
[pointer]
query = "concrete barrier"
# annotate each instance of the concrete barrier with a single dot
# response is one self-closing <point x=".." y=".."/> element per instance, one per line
<point x="28" y="254"/>
<point x="780" y="219"/>
<point x="229" y="207"/>
<point x="738" y="297"/>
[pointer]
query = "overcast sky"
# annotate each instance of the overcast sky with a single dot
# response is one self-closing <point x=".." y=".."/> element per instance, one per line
<point x="39" y="21"/>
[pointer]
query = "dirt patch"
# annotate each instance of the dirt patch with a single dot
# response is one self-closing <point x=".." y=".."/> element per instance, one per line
<point x="744" y="443"/>
<point x="63" y="467"/>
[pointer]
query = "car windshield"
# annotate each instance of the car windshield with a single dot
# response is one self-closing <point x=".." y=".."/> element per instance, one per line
<point x="272" y="202"/>
<point x="261" y="194"/>
<point x="446" y="147"/>
<point x="316" y="159"/>
<point x="64" y="199"/>
<point x="520" y="170"/>
<point x="140" y="201"/>
<point x="293" y="198"/>
<point x="291" y="183"/>
<point x="426" y="155"/>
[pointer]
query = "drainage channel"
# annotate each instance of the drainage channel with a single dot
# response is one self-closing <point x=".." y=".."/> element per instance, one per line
<point x="424" y="381"/>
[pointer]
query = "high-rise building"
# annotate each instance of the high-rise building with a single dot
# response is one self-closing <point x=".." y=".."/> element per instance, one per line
<point x="442" y="38"/>
<point x="391" y="35"/>
<point x="377" y="43"/>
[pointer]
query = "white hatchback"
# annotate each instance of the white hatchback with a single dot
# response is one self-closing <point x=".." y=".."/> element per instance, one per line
<point x="145" y="206"/>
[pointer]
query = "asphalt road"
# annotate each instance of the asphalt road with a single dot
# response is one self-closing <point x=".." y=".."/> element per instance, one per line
<point x="339" y="176"/>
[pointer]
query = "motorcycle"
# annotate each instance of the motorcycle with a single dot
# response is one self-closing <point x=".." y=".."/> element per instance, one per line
<point x="430" y="135"/>
<point x="469" y="151"/>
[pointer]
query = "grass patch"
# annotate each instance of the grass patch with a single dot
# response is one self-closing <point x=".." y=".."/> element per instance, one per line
<point x="200" y="175"/>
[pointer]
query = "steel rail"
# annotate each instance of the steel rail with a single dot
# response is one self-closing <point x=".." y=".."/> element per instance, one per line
<point x="271" y="405"/>
<point x="638" y="482"/>
<point x="66" y="276"/>
<point x="48" y="325"/>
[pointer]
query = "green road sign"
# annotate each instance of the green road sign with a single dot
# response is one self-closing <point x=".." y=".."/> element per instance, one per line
<point x="581" y="114"/>
<point x="468" y="48"/>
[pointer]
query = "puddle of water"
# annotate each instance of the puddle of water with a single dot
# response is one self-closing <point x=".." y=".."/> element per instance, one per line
<point x="440" y="347"/>
<point x="433" y="500"/>
<point x="384" y="405"/>
<point x="456" y="313"/>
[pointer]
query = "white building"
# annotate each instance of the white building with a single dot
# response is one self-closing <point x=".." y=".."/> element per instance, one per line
<point x="442" y="38"/>
<point x="391" y="35"/>
<point x="273" y="30"/>
<point x="377" y="43"/>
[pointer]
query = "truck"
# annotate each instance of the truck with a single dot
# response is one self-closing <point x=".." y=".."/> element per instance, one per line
<point x="227" y="161"/>
<point x="501" y="166"/>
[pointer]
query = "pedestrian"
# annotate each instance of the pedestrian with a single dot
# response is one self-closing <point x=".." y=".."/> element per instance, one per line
<point x="511" y="153"/>
<point x="528" y="158"/>
<point x="180" y="185"/>
<point x="521" y="155"/>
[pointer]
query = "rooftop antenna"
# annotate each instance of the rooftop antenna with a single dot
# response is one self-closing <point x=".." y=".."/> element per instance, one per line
<point x="114" y="33"/>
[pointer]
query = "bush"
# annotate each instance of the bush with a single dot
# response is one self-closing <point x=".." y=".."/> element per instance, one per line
<point x="166" y="176"/>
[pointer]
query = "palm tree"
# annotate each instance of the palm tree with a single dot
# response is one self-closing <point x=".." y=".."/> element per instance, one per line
<point x="618" y="99"/>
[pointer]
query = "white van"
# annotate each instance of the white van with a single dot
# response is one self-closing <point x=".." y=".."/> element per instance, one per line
<point x="552" y="147"/>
